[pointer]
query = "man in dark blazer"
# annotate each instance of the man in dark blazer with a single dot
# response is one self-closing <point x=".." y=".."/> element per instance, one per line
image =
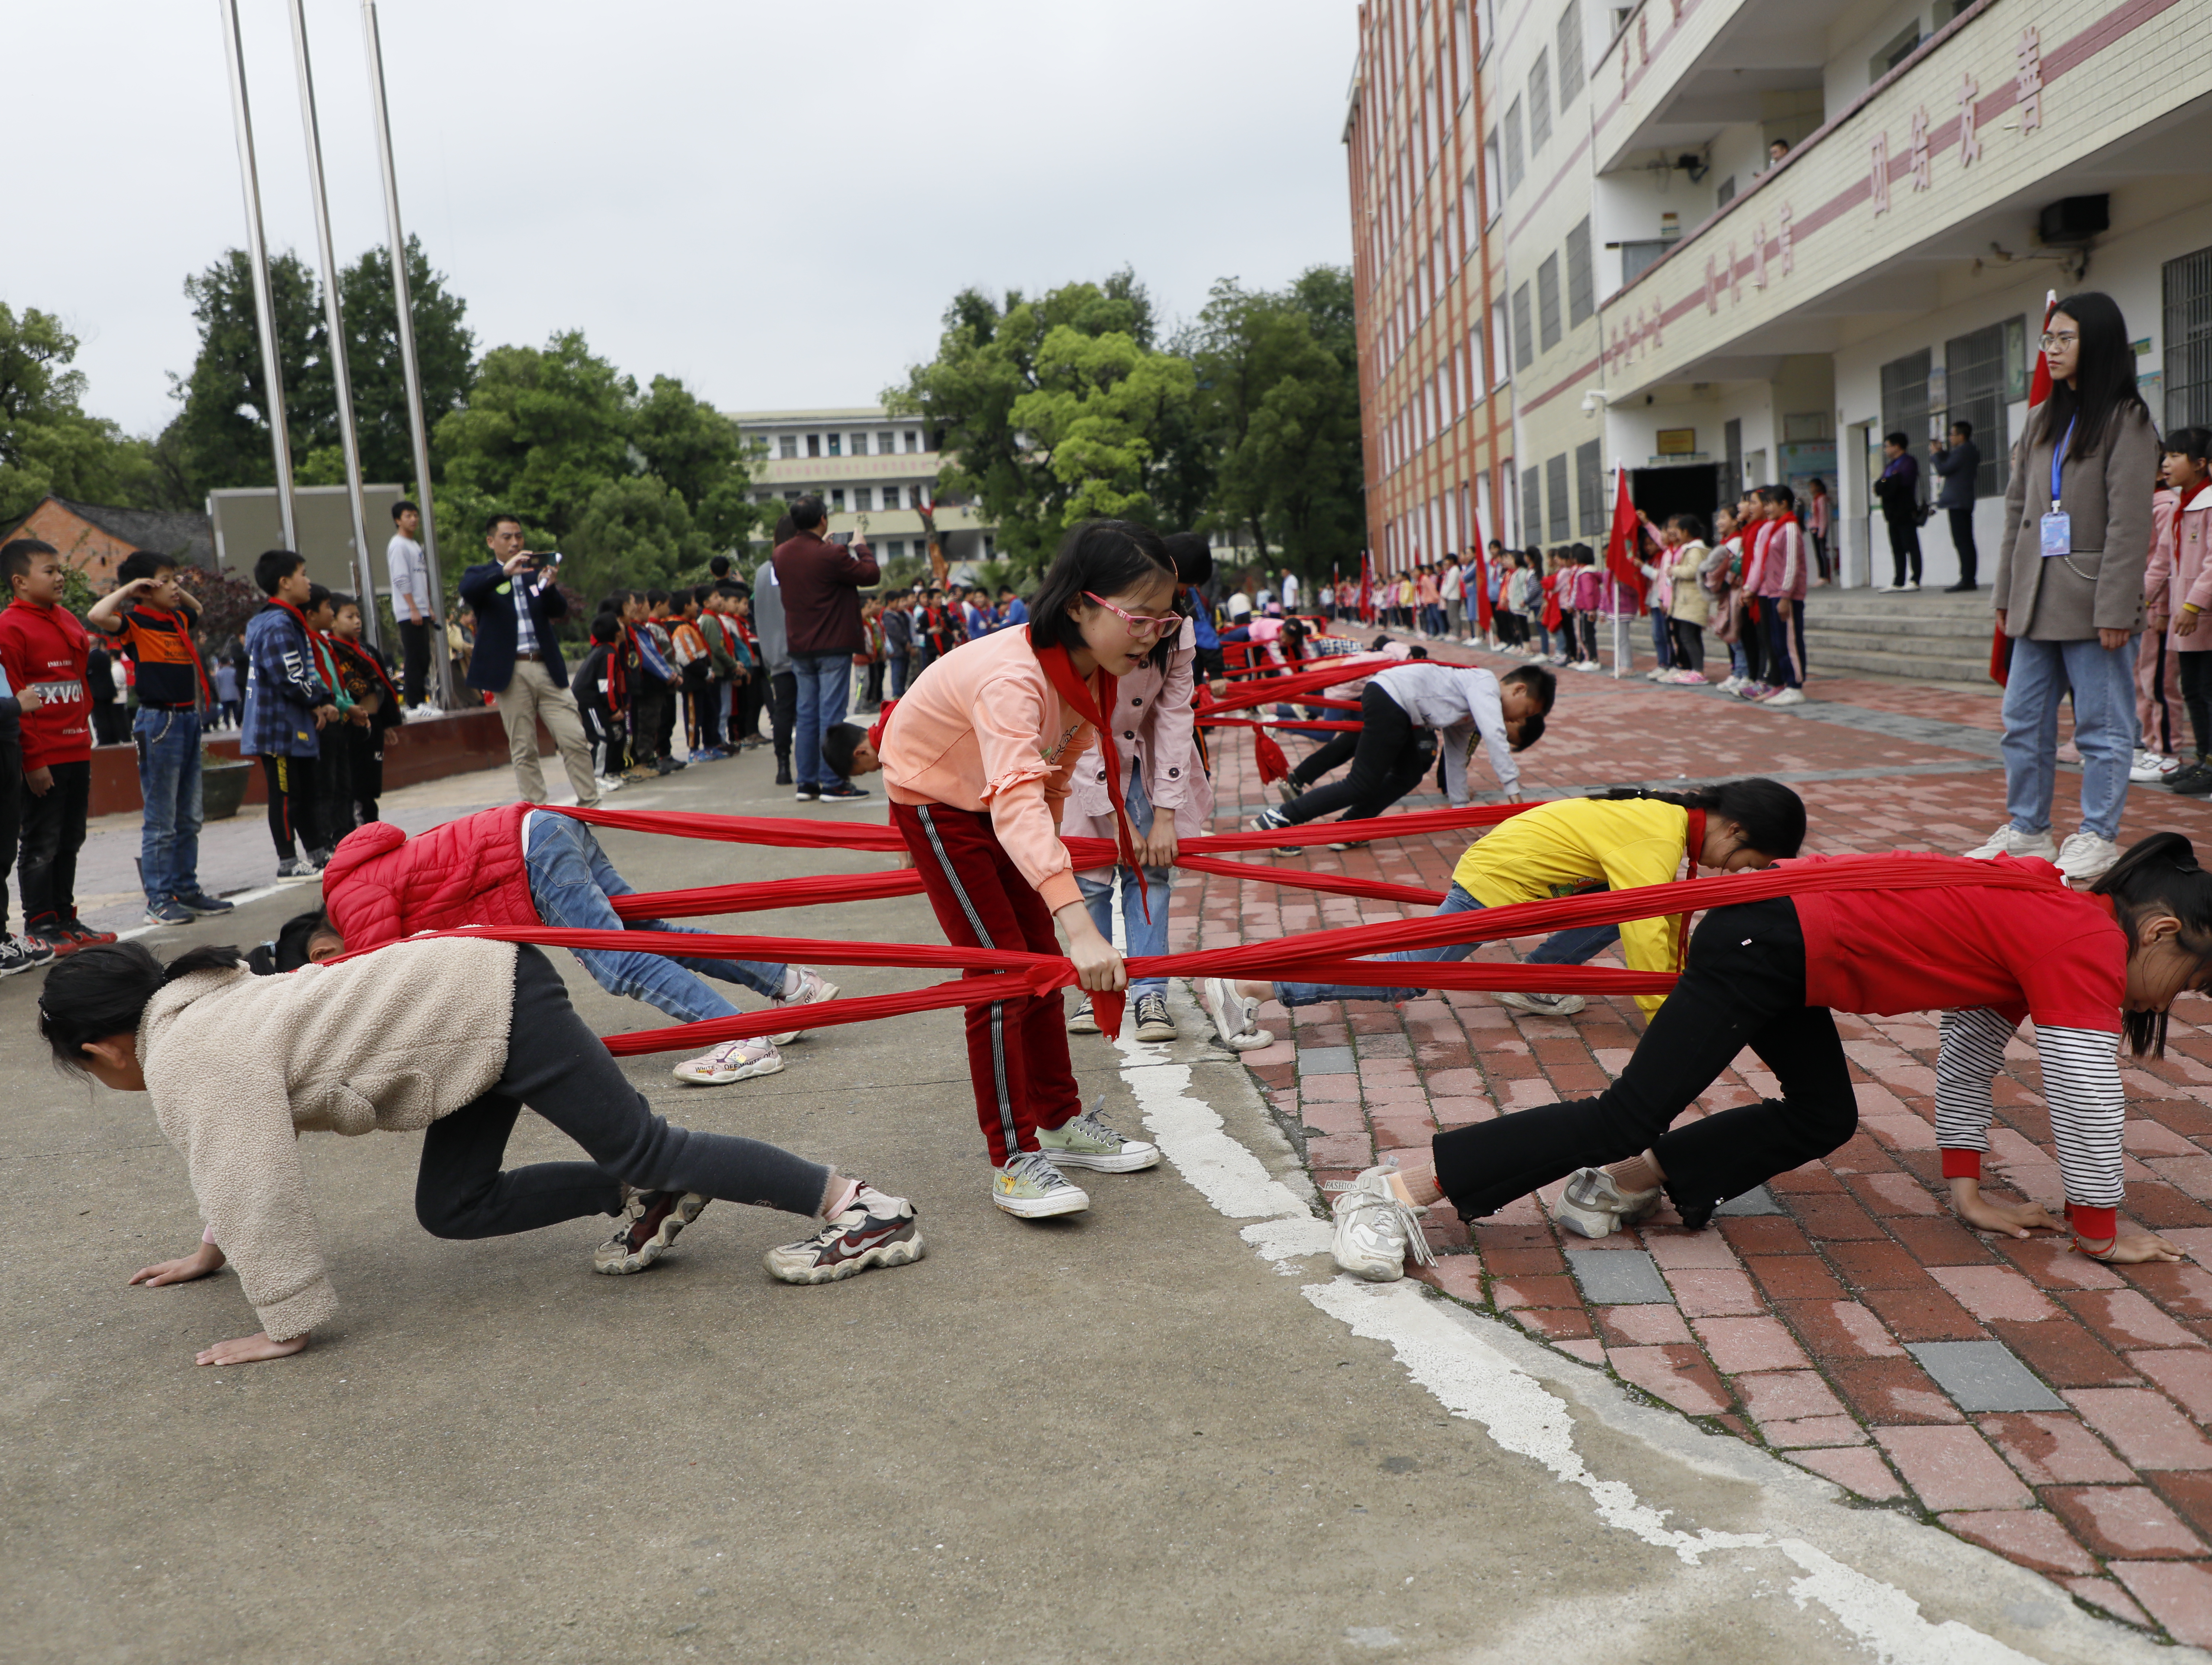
<point x="1958" y="464"/>
<point x="517" y="660"/>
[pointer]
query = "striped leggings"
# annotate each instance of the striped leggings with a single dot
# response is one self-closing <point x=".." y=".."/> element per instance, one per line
<point x="2080" y="1085"/>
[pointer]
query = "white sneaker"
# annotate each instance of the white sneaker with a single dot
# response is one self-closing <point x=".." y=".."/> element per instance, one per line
<point x="1729" y="684"/>
<point x="1595" y="1206"/>
<point x="1375" y="1231"/>
<point x="2010" y="840"/>
<point x="1544" y="1005"/>
<point x="1087" y="1142"/>
<point x="608" y="783"/>
<point x="733" y="1060"/>
<point x="2084" y="858"/>
<point x="1032" y="1188"/>
<point x="814" y="988"/>
<point x="1786" y="697"/>
<point x="1234" y="1017"/>
<point x="1913" y="586"/>
<point x="2150" y="769"/>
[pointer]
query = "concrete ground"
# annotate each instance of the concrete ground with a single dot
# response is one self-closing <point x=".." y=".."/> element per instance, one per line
<point x="1161" y="1429"/>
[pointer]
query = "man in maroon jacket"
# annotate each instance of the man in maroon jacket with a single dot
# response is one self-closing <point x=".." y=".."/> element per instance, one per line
<point x="820" y="583"/>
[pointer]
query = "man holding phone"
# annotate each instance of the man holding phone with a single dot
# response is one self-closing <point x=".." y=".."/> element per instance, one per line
<point x="820" y="580"/>
<point x="517" y="660"/>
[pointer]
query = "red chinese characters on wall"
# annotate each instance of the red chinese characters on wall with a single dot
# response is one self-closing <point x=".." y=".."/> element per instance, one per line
<point x="1922" y="175"/>
<point x="1878" y="175"/>
<point x="2028" y="80"/>
<point x="1970" y="138"/>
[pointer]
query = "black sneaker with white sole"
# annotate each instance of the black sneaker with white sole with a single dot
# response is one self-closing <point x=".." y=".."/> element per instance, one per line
<point x="16" y="955"/>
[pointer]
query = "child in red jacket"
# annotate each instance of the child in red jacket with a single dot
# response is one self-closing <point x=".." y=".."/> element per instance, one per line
<point x="42" y="648"/>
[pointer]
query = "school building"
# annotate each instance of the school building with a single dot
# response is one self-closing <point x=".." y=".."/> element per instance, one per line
<point x="876" y="472"/>
<point x="1728" y="242"/>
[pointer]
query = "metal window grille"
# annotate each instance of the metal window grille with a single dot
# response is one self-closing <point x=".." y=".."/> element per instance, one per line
<point x="1582" y="287"/>
<point x="1974" y="379"/>
<point x="1547" y="301"/>
<point x="1524" y="337"/>
<point x="1589" y="489"/>
<point x="1571" y="52"/>
<point x="1555" y="498"/>
<point x="2188" y="285"/>
<point x="1539" y="104"/>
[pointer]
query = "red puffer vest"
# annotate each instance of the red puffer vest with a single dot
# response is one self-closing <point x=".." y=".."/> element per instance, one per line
<point x="382" y="885"/>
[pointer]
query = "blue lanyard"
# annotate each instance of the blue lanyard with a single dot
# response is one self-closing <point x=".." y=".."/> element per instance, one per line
<point x="2058" y="457"/>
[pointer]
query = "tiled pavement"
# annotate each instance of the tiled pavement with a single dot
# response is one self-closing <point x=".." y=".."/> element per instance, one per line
<point x="2041" y="1404"/>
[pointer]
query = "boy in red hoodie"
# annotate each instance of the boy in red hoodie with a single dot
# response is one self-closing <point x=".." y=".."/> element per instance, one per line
<point x="42" y="648"/>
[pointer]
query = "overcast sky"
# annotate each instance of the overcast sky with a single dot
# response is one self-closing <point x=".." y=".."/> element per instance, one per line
<point x="774" y="202"/>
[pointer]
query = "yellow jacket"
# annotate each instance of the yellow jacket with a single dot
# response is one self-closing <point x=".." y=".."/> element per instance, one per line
<point x="1556" y="848"/>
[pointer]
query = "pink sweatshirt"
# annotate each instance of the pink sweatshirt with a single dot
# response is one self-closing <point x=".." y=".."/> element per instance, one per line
<point x="2191" y="544"/>
<point x="1782" y="574"/>
<point x="983" y="728"/>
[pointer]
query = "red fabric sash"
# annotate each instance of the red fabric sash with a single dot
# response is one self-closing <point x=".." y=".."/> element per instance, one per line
<point x="1091" y="704"/>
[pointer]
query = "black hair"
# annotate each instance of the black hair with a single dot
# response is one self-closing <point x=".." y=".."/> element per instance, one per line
<point x="785" y="527"/>
<point x="1192" y="555"/>
<point x="15" y="556"/>
<point x="616" y="600"/>
<point x="657" y="598"/>
<point x="1772" y="816"/>
<point x="317" y="595"/>
<point x="144" y="563"/>
<point x="731" y="589"/>
<point x="300" y="930"/>
<point x="2104" y="375"/>
<point x="606" y="628"/>
<point x="340" y="601"/>
<point x="1899" y="440"/>
<point x="1104" y="558"/>
<point x="2194" y="443"/>
<point x="837" y="746"/>
<point x="1781" y="494"/>
<point x="1963" y="427"/>
<point x="700" y="591"/>
<point x="718" y="566"/>
<point x="2159" y="872"/>
<point x="807" y="513"/>
<point x="1689" y="525"/>
<point x="403" y="506"/>
<point x="1293" y="641"/>
<point x="494" y="521"/>
<point x="104" y="990"/>
<point x="1543" y="687"/>
<point x="1532" y="728"/>
<point x="273" y="567"/>
<point x="1379" y="644"/>
<point x="1417" y="651"/>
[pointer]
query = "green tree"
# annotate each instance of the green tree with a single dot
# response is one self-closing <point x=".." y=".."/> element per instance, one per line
<point x="635" y="532"/>
<point x="220" y="438"/>
<point x="1051" y="410"/>
<point x="701" y="455"/>
<point x="445" y="351"/>
<point x="48" y="444"/>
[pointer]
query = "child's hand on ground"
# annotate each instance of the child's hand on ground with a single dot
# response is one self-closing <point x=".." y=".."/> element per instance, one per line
<point x="2015" y="1219"/>
<point x="249" y="1350"/>
<point x="2134" y="1249"/>
<point x="200" y="1263"/>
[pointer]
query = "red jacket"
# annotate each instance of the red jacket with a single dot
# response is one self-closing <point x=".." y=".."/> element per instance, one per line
<point x="44" y="648"/>
<point x="382" y="885"/>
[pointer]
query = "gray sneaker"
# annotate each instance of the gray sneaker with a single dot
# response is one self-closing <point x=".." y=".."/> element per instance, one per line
<point x="1087" y="1142"/>
<point x="1595" y="1206"/>
<point x="1375" y="1232"/>
<point x="1544" y="1005"/>
<point x="1030" y="1188"/>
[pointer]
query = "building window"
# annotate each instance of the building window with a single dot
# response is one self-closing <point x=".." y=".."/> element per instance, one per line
<point x="813" y="444"/>
<point x="1974" y="384"/>
<point x="788" y="447"/>
<point x="1904" y="400"/>
<point x="886" y="444"/>
<point x="2188" y="319"/>
<point x="1582" y="297"/>
<point x="1463" y="50"/>
<point x="1539" y="104"/>
<point x="1493" y="199"/>
<point x="1724" y="192"/>
<point x="1732" y="443"/>
<point x="1500" y="366"/>
<point x="913" y="441"/>
<point x="1571" y="52"/>
<point x="1524" y="334"/>
<point x="1555" y="498"/>
<point x="1547" y="302"/>
<point x="1589" y="489"/>
<point x="1513" y="165"/>
<point x="1532" y="503"/>
<point x="836" y="494"/>
<point x="864" y="498"/>
<point x="836" y="440"/>
<point x="860" y="445"/>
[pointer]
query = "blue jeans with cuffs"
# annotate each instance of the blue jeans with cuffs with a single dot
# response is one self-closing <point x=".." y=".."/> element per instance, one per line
<point x="1139" y="935"/>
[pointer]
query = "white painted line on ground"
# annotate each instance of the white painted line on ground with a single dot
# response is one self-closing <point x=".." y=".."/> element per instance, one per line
<point x="1472" y="1378"/>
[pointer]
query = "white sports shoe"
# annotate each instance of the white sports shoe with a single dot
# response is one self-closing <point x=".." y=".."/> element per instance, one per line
<point x="733" y="1060"/>
<point x="2149" y="768"/>
<point x="1375" y="1231"/>
<point x="813" y="988"/>
<point x="2010" y="840"/>
<point x="1544" y="1005"/>
<point x="1786" y="697"/>
<point x="1595" y="1206"/>
<point x="2084" y="858"/>
<point x="1234" y="1017"/>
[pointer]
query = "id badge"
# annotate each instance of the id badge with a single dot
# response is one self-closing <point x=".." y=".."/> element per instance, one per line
<point x="2058" y="533"/>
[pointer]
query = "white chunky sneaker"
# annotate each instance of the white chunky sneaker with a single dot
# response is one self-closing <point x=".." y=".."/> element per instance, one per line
<point x="1375" y="1231"/>
<point x="2084" y="858"/>
<point x="2010" y="840"/>
<point x="814" y="988"/>
<point x="1544" y="1005"/>
<point x="1233" y="1016"/>
<point x="733" y="1060"/>
<point x="1595" y="1206"/>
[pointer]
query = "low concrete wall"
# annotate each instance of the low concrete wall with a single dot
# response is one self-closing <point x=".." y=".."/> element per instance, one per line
<point x="426" y="751"/>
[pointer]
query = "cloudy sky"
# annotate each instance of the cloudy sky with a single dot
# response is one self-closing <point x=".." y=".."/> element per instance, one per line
<point x="772" y="201"/>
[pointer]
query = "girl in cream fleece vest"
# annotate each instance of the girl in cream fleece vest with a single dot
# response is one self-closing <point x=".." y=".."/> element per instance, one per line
<point x="450" y="1036"/>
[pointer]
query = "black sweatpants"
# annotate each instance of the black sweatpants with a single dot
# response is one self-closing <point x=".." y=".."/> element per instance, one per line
<point x="1962" y="539"/>
<point x="1689" y="644"/>
<point x="2196" y="679"/>
<point x="414" y="649"/>
<point x="1744" y="986"/>
<point x="1389" y="754"/>
<point x="557" y="1067"/>
<point x="293" y="810"/>
<point x="783" y="715"/>
<point x="364" y="772"/>
<point x="53" y="833"/>
<point x="1903" y="547"/>
<point x="648" y="712"/>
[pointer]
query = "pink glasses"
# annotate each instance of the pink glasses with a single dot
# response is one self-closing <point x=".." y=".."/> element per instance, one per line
<point x="1139" y="624"/>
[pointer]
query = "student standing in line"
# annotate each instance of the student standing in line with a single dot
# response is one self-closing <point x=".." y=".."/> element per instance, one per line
<point x="1818" y="524"/>
<point x="408" y="571"/>
<point x="976" y="763"/>
<point x="373" y="711"/>
<point x="287" y="707"/>
<point x="2188" y="634"/>
<point x="2157" y="758"/>
<point x="1693" y="601"/>
<point x="16" y="953"/>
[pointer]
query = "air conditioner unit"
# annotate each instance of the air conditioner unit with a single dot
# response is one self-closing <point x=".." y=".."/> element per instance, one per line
<point x="2075" y="219"/>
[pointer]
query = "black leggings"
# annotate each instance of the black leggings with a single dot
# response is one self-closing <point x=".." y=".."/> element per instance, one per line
<point x="1744" y="986"/>
<point x="1689" y="644"/>
<point x="558" y="1067"/>
<point x="1389" y="758"/>
<point x="2196" y="675"/>
<point x="293" y="809"/>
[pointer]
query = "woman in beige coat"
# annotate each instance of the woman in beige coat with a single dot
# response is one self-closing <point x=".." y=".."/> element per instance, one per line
<point x="455" y="1037"/>
<point x="2069" y="586"/>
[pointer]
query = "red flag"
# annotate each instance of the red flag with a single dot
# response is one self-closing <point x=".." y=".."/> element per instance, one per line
<point x="1620" y="544"/>
<point x="1366" y="588"/>
<point x="1477" y="575"/>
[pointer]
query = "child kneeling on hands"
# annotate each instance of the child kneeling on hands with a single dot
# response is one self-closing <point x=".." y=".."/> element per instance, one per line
<point x="453" y="1037"/>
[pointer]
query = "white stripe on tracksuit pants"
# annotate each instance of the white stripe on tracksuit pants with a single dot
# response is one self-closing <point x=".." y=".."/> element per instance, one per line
<point x="2080" y="1087"/>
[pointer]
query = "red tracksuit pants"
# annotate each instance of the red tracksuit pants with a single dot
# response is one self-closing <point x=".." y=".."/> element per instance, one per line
<point x="1016" y="1049"/>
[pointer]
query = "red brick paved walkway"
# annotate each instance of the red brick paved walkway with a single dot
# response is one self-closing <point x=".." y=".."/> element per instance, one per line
<point x="1796" y="1328"/>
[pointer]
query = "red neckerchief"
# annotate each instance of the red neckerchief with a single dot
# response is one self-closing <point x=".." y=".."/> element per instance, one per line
<point x="183" y="622"/>
<point x="315" y="639"/>
<point x="876" y="728"/>
<point x="368" y="662"/>
<point x="1090" y="703"/>
<point x="618" y="674"/>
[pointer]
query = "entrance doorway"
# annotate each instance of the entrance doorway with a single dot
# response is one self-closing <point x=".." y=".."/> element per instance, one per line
<point x="1691" y="489"/>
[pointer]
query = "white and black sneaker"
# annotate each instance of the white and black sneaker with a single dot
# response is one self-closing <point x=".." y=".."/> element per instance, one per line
<point x="1082" y="1020"/>
<point x="1235" y="1018"/>
<point x="1595" y="1206"/>
<point x="17" y="955"/>
<point x="293" y="868"/>
<point x="813" y="989"/>
<point x="1273" y="820"/>
<point x="651" y="1220"/>
<point x="1154" y="1022"/>
<point x="874" y="1230"/>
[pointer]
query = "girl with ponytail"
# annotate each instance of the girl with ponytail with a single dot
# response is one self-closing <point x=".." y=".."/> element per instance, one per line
<point x="1622" y="839"/>
<point x="1986" y="951"/>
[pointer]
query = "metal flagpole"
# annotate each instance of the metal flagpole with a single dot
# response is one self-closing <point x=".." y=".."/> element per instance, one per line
<point x="257" y="256"/>
<point x="440" y="661"/>
<point x="334" y="318"/>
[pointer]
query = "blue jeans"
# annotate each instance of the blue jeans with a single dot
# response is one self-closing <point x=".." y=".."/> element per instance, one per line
<point x="169" y="781"/>
<point x="898" y="674"/>
<point x="571" y="880"/>
<point x="1139" y="935"/>
<point x="2104" y="685"/>
<point x="823" y="678"/>
<point x="1575" y="947"/>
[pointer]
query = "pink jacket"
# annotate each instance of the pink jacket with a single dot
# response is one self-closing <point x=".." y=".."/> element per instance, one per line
<point x="1782" y="572"/>
<point x="1589" y="589"/>
<point x="1155" y="735"/>
<point x="2187" y="549"/>
<point x="982" y="728"/>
